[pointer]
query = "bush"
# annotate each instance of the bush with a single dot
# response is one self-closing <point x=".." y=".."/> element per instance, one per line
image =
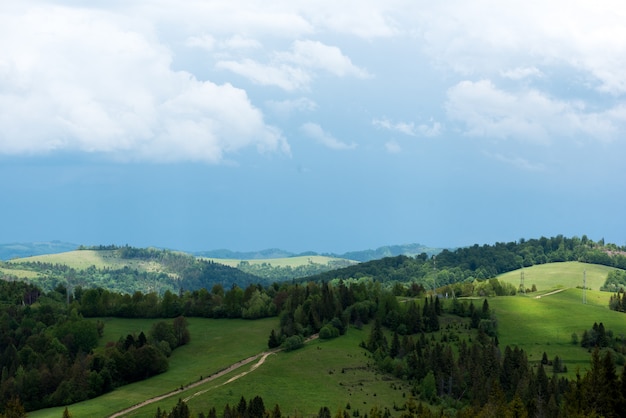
<point x="328" y="331"/>
<point x="293" y="343"/>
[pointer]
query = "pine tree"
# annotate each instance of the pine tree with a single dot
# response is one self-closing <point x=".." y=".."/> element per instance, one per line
<point x="273" y="340"/>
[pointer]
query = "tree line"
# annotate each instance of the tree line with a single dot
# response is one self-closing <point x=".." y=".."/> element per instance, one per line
<point x="467" y="264"/>
<point x="49" y="356"/>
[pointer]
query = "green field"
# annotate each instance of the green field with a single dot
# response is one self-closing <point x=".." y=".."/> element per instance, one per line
<point x="545" y="321"/>
<point x="559" y="275"/>
<point x="82" y="259"/>
<point x="19" y="273"/>
<point x="329" y="373"/>
<point x="546" y="324"/>
<point x="214" y="345"/>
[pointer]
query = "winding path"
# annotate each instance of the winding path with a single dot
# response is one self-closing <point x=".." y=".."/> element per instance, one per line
<point x="550" y="293"/>
<point x="261" y="356"/>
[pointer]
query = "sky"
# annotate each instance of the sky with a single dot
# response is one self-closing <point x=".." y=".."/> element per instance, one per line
<point x="311" y="126"/>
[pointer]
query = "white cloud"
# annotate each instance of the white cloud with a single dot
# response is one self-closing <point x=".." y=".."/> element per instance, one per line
<point x="528" y="115"/>
<point x="318" y="56"/>
<point x="518" y="162"/>
<point x="284" y="108"/>
<point x="295" y="69"/>
<point x="486" y="38"/>
<point x="409" y="128"/>
<point x="83" y="80"/>
<point x="284" y="76"/>
<point x="240" y="42"/>
<point x="209" y="43"/>
<point x="521" y="73"/>
<point x="203" y="41"/>
<point x="315" y="131"/>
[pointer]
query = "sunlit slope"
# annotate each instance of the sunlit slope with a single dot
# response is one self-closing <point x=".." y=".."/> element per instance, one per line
<point x="215" y="344"/>
<point x="545" y="320"/>
<point x="559" y="275"/>
<point x="546" y="323"/>
<point x="329" y="373"/>
<point x="82" y="259"/>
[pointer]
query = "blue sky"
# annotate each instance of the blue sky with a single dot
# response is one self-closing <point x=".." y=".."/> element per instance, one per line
<point x="325" y="126"/>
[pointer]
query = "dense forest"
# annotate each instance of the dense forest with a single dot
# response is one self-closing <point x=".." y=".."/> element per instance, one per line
<point x="481" y="262"/>
<point x="49" y="356"/>
<point x="275" y="273"/>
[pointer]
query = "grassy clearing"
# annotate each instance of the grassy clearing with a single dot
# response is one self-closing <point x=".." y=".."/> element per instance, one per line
<point x="17" y="272"/>
<point x="83" y="259"/>
<point x="559" y="275"/>
<point x="547" y="323"/>
<point x="324" y="373"/>
<point x="214" y="345"/>
<point x="279" y="262"/>
<point x="541" y="321"/>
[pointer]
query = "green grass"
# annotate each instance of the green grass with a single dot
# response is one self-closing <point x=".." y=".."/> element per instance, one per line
<point x="279" y="262"/>
<point x="559" y="275"/>
<point x="302" y="382"/>
<point x="214" y="345"/>
<point x="17" y="272"/>
<point x="546" y="324"/>
<point x="539" y="322"/>
<point x="82" y="259"/>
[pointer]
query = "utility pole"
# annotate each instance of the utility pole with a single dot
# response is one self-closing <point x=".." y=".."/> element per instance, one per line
<point x="521" y="281"/>
<point x="434" y="276"/>
<point x="584" y="287"/>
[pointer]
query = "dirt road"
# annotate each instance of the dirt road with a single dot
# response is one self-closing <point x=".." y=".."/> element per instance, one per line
<point x="261" y="356"/>
<point x="214" y="376"/>
<point x="550" y="293"/>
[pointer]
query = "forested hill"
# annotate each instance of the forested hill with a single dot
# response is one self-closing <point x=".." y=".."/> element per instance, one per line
<point x="360" y="255"/>
<point x="482" y="262"/>
<point x="126" y="270"/>
<point x="410" y="250"/>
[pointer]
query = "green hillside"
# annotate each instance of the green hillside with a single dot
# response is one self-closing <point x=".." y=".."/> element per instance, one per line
<point x="83" y="259"/>
<point x="294" y="380"/>
<point x="559" y="275"/>
<point x="214" y="345"/>
<point x="545" y="320"/>
<point x="126" y="270"/>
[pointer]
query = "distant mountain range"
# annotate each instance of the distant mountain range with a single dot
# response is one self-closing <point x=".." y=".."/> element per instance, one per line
<point x="28" y="249"/>
<point x="362" y="256"/>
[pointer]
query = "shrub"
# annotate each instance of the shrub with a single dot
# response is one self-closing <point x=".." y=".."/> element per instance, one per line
<point x="328" y="331"/>
<point x="293" y="343"/>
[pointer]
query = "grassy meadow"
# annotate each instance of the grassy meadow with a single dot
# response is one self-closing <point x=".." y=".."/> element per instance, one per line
<point x="214" y="345"/>
<point x="552" y="276"/>
<point x="329" y="373"/>
<point x="545" y="321"/>
<point x="82" y="259"/>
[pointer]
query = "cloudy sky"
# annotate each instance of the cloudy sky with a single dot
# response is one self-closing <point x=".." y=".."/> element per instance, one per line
<point x="325" y="126"/>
